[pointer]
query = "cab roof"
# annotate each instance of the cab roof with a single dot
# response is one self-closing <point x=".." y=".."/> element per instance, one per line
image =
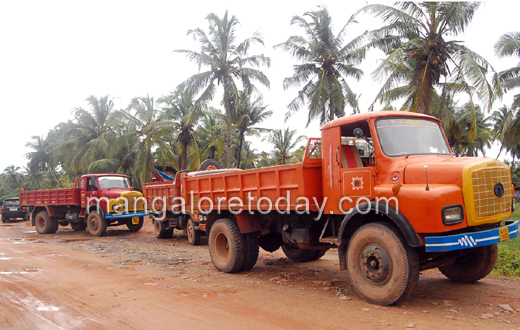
<point x="373" y="115"/>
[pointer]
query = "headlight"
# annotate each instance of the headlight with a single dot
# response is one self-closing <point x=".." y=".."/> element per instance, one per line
<point x="118" y="207"/>
<point x="452" y="214"/>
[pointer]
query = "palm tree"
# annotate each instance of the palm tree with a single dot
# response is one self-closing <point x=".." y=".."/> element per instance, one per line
<point x="509" y="45"/>
<point x="12" y="176"/>
<point x="226" y="61"/>
<point x="145" y="121"/>
<point x="76" y="144"/>
<point x="464" y="143"/>
<point x="183" y="113"/>
<point x="248" y="114"/>
<point x="418" y="54"/>
<point x="503" y="120"/>
<point x="211" y="133"/>
<point x="326" y="62"/>
<point x="284" y="142"/>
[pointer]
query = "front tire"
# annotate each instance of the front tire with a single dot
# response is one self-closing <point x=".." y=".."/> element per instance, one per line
<point x="192" y="233"/>
<point x="135" y="227"/>
<point x="43" y="223"/>
<point x="473" y="266"/>
<point x="160" y="228"/>
<point x="96" y="224"/>
<point x="226" y="246"/>
<point x="383" y="269"/>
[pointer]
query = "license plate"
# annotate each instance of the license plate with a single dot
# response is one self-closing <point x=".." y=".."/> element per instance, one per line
<point x="504" y="233"/>
<point x="135" y="221"/>
<point x="14" y="209"/>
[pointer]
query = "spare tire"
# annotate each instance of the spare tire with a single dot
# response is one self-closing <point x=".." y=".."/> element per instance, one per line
<point x="209" y="164"/>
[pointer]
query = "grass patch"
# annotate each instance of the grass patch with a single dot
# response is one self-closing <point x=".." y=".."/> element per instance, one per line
<point x="508" y="263"/>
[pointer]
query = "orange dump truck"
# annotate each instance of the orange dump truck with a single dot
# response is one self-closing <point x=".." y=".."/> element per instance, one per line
<point x="383" y="187"/>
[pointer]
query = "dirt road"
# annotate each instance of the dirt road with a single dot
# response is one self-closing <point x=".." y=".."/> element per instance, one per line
<point x="70" y="280"/>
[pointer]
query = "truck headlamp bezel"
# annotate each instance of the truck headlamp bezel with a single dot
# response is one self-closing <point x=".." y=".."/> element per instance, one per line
<point x="452" y="214"/>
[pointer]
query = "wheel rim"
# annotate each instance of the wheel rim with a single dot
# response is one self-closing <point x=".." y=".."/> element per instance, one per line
<point x="40" y="222"/>
<point x="376" y="264"/>
<point x="221" y="247"/>
<point x="211" y="167"/>
<point x="94" y="223"/>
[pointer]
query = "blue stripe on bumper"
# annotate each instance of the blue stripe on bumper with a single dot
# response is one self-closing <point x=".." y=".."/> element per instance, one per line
<point x="469" y="240"/>
<point x="111" y="216"/>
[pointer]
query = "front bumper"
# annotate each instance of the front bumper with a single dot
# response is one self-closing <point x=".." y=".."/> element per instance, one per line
<point x="471" y="240"/>
<point x="111" y="216"/>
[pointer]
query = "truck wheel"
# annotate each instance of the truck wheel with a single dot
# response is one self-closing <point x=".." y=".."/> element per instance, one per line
<point x="473" y="266"/>
<point x="55" y="225"/>
<point x="135" y="227"/>
<point x="43" y="223"/>
<point x="209" y="164"/>
<point x="251" y="257"/>
<point x="192" y="233"/>
<point x="78" y="226"/>
<point x="226" y="246"/>
<point x="297" y="255"/>
<point x="5" y="219"/>
<point x="96" y="224"/>
<point x="161" y="230"/>
<point x="382" y="267"/>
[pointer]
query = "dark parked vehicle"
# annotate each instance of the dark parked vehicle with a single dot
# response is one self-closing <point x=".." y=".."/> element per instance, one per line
<point x="11" y="209"/>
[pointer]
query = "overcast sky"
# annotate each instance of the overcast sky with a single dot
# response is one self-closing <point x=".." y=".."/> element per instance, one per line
<point x="55" y="54"/>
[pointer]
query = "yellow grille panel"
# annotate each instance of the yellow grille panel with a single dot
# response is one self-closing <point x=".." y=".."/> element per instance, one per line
<point x="133" y="197"/>
<point x="486" y="202"/>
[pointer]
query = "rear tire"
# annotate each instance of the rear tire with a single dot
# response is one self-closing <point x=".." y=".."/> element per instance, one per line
<point x="226" y="246"/>
<point x="55" y="225"/>
<point x="78" y="226"/>
<point x="473" y="266"/>
<point x="297" y="255"/>
<point x="382" y="267"/>
<point x="161" y="230"/>
<point x="96" y="224"/>
<point x="43" y="223"/>
<point x="135" y="227"/>
<point x="251" y="257"/>
<point x="192" y="233"/>
<point x="318" y="254"/>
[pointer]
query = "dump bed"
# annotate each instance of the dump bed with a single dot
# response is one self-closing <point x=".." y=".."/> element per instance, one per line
<point x="264" y="185"/>
<point x="159" y="190"/>
<point x="68" y="196"/>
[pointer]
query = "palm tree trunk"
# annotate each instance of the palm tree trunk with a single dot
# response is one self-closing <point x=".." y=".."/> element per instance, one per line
<point x="331" y="106"/>
<point x="239" y="151"/>
<point x="227" y="105"/>
<point x="184" y="157"/>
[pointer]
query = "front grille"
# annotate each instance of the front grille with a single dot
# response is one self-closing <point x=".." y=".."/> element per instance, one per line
<point x="133" y="196"/>
<point x="486" y="202"/>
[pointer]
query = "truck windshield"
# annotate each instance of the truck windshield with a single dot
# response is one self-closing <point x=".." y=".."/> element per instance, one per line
<point x="411" y="136"/>
<point x="110" y="182"/>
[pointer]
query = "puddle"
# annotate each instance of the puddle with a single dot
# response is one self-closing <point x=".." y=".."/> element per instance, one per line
<point x="29" y="271"/>
<point x="133" y="277"/>
<point x="6" y="225"/>
<point x="48" y="309"/>
<point x="5" y="258"/>
<point x="210" y="295"/>
<point x="29" y="231"/>
<point x="68" y="240"/>
<point x="87" y="265"/>
<point x="56" y="255"/>
<point x="22" y="271"/>
<point x="134" y="263"/>
<point x="130" y="269"/>
<point x="149" y="284"/>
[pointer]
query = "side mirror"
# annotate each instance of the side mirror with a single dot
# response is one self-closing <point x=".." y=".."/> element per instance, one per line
<point x="358" y="132"/>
